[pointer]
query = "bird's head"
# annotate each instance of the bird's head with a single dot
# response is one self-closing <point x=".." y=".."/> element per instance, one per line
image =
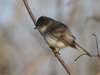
<point x="42" y="23"/>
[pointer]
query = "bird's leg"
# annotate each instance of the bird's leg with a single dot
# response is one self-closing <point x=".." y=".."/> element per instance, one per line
<point x="55" y="50"/>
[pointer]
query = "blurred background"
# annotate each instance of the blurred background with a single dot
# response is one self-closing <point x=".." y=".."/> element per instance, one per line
<point x="24" y="52"/>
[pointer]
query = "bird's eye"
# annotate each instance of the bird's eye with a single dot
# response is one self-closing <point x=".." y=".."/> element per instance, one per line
<point x="73" y="41"/>
<point x="73" y="44"/>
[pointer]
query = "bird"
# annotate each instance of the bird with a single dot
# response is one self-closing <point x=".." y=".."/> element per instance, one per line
<point x="57" y="34"/>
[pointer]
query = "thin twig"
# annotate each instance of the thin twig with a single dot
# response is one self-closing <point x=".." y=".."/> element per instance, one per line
<point x="29" y="11"/>
<point x="65" y="66"/>
<point x="79" y="56"/>
<point x="96" y="44"/>
<point x="87" y="53"/>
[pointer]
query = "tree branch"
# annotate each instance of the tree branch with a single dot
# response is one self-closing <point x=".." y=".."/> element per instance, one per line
<point x="96" y="44"/>
<point x="65" y="66"/>
<point x="84" y="50"/>
<point x="29" y="11"/>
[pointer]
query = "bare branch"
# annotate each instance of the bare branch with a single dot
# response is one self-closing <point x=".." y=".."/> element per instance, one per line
<point x="65" y="66"/>
<point x="87" y="53"/>
<point x="96" y="44"/>
<point x="29" y="11"/>
<point x="79" y="56"/>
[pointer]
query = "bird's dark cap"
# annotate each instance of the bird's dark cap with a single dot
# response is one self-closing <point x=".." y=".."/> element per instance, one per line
<point x="43" y="20"/>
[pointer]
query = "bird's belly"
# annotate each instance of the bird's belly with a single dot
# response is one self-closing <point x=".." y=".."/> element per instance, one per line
<point x="52" y="41"/>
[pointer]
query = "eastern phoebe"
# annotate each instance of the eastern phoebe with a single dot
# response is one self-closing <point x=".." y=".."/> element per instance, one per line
<point x="56" y="34"/>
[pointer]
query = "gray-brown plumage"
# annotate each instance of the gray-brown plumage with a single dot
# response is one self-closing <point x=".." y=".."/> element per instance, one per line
<point x="56" y="34"/>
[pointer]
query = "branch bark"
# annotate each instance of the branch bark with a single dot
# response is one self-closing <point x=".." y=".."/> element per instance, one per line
<point x="29" y="11"/>
<point x="62" y="62"/>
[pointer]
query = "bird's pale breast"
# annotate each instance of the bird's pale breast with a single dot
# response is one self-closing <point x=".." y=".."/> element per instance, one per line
<point x="54" y="42"/>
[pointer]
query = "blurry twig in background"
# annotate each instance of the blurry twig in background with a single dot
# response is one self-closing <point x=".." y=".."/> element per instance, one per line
<point x="95" y="18"/>
<point x="28" y="70"/>
<point x="73" y="10"/>
<point x="72" y="2"/>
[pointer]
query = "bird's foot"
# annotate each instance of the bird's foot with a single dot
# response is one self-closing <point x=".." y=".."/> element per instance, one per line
<point x="55" y="50"/>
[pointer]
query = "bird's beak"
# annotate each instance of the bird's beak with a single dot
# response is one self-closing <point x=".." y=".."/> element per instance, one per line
<point x="35" y="27"/>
